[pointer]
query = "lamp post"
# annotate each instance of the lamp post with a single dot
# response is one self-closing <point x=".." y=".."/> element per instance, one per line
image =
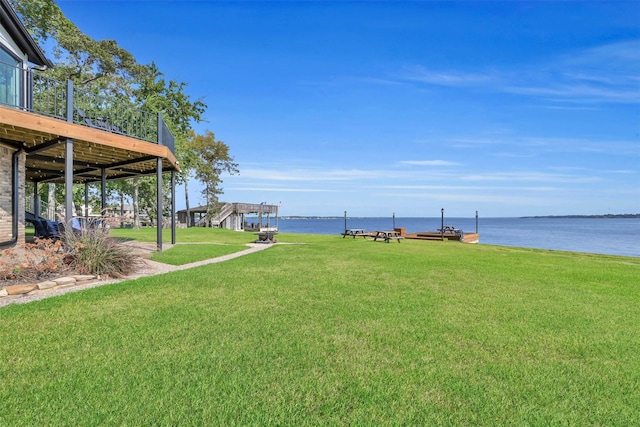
<point x="476" y="222"/>
<point x="442" y="223"/>
<point x="345" y="222"/>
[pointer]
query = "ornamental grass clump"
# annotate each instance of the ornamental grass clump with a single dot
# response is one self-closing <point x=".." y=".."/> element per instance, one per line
<point x="93" y="251"/>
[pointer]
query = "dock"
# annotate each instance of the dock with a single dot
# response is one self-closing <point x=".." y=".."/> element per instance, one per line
<point x="435" y="235"/>
<point x="447" y="233"/>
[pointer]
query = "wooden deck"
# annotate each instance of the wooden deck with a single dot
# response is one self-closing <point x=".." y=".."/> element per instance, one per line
<point x="94" y="150"/>
<point x="436" y="235"/>
<point x="400" y="233"/>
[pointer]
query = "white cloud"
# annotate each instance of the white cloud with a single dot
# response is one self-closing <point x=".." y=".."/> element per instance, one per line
<point x="282" y="190"/>
<point x="530" y="176"/>
<point x="544" y="144"/>
<point x="622" y="172"/>
<point x="606" y="73"/>
<point x="335" y="176"/>
<point x="429" y="163"/>
<point x="616" y="57"/>
<point x="467" y="198"/>
<point x="458" y="188"/>
<point x="421" y="74"/>
<point x="315" y="175"/>
<point x="578" y="92"/>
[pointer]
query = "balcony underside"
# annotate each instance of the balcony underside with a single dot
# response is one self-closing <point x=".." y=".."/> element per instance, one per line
<point x="94" y="150"/>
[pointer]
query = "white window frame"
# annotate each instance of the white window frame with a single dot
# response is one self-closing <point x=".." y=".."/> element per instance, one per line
<point x="11" y="81"/>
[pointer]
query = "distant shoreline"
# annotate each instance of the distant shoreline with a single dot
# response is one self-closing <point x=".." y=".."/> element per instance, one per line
<point x="637" y="215"/>
<point x="587" y="216"/>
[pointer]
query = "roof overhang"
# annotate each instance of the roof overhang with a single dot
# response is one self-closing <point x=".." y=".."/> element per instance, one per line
<point x="21" y="36"/>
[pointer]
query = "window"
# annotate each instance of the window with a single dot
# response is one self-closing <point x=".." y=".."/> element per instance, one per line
<point x="9" y="79"/>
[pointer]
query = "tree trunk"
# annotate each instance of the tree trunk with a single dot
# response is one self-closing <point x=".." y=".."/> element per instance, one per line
<point x="186" y="198"/>
<point x="51" y="202"/>
<point x="208" y="218"/>
<point x="121" y="209"/>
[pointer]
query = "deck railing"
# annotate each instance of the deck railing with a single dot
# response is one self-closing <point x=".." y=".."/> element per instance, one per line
<point x="255" y="208"/>
<point x="116" y="114"/>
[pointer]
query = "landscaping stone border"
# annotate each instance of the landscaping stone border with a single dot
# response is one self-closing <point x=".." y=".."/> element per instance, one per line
<point x="13" y="292"/>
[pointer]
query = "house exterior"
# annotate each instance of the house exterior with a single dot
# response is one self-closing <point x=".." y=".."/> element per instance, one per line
<point x="53" y="132"/>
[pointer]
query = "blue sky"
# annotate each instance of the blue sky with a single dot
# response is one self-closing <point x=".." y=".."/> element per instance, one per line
<point x="379" y="107"/>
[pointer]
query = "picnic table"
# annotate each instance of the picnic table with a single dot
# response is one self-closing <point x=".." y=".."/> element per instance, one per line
<point x="355" y="232"/>
<point x="387" y="235"/>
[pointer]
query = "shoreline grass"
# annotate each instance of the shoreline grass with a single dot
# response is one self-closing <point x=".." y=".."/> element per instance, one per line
<point x="341" y="332"/>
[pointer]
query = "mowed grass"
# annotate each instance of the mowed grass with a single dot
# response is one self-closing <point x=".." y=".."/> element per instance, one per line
<point x="336" y="331"/>
<point x="187" y="235"/>
<point x="186" y="254"/>
<point x="211" y="243"/>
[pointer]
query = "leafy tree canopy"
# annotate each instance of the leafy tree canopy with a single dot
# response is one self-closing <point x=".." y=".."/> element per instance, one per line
<point x="78" y="57"/>
<point x="103" y="64"/>
<point x="211" y="161"/>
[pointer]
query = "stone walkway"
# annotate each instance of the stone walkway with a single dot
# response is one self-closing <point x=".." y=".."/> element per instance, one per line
<point x="148" y="268"/>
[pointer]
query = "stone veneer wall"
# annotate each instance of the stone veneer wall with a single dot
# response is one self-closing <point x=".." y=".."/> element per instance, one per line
<point x="22" y="200"/>
<point x="6" y="201"/>
<point x="5" y="193"/>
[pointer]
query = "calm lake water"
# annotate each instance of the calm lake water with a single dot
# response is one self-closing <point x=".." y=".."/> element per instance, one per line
<point x="612" y="236"/>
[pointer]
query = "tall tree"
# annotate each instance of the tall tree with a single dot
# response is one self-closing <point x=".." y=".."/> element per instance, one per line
<point x="178" y="111"/>
<point x="102" y="65"/>
<point x="78" y="57"/>
<point x="211" y="161"/>
<point x="51" y="202"/>
<point x="188" y="162"/>
<point x="106" y="66"/>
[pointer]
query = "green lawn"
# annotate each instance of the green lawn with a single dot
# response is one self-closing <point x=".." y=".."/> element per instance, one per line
<point x="336" y="332"/>
<point x="186" y="254"/>
<point x="187" y="235"/>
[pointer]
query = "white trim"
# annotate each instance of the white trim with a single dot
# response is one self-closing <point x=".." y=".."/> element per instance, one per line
<point x="11" y="46"/>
